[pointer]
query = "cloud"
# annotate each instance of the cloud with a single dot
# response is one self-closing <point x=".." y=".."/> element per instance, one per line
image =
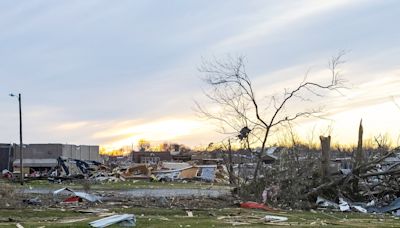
<point x="155" y="130"/>
<point x="102" y="72"/>
<point x="72" y="126"/>
<point x="272" y="23"/>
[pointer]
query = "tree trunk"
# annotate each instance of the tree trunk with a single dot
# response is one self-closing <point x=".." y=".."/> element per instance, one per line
<point x="259" y="156"/>
<point x="359" y="157"/>
<point x="231" y="176"/>
<point x="255" y="175"/>
<point x="325" y="157"/>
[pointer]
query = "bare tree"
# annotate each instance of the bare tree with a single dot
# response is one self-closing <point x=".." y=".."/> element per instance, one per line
<point x="383" y="141"/>
<point x="233" y="92"/>
<point x="143" y="145"/>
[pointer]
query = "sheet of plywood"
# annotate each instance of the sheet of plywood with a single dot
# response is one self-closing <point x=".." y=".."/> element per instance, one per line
<point x="189" y="173"/>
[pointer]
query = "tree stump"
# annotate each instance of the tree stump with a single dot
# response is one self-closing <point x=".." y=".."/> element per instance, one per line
<point x="325" y="157"/>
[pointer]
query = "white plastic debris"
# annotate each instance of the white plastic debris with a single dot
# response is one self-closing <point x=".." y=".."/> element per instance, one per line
<point x="274" y="218"/>
<point x="265" y="195"/>
<point x="123" y="220"/>
<point x="343" y="205"/>
<point x="360" y="209"/>
<point x="326" y="203"/>
<point x="345" y="171"/>
<point x="370" y="204"/>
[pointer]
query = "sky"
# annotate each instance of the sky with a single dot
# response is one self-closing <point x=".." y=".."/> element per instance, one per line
<point x="113" y="72"/>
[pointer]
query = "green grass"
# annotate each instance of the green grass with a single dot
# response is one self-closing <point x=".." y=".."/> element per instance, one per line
<point x="124" y="185"/>
<point x="172" y="217"/>
<point x="165" y="218"/>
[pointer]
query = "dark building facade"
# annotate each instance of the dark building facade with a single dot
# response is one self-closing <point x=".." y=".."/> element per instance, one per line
<point x="6" y="156"/>
<point x="151" y="157"/>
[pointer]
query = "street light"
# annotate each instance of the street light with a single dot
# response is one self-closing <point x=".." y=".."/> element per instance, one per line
<point x="20" y="138"/>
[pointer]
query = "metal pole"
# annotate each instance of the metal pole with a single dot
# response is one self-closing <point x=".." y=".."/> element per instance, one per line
<point x="20" y="141"/>
<point x="9" y="157"/>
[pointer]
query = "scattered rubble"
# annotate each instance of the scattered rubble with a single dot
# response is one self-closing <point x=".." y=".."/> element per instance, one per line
<point x="288" y="181"/>
<point x="74" y="169"/>
<point x="34" y="201"/>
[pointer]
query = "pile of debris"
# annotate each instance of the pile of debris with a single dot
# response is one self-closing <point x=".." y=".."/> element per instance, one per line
<point x="72" y="169"/>
<point x="297" y="182"/>
<point x="368" y="187"/>
<point x="185" y="171"/>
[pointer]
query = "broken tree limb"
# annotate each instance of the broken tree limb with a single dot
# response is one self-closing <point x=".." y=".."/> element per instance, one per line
<point x="315" y="191"/>
<point x="369" y="165"/>
<point x="358" y="173"/>
<point x="386" y="172"/>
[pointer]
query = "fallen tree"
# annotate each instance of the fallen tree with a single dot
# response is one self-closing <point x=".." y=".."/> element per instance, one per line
<point x="296" y="183"/>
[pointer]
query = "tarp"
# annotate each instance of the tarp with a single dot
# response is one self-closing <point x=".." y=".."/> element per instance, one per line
<point x="254" y="205"/>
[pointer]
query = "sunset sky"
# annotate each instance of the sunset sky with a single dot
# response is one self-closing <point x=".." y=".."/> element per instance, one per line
<point x="113" y="72"/>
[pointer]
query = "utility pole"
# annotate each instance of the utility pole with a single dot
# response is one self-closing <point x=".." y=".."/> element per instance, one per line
<point x="20" y="138"/>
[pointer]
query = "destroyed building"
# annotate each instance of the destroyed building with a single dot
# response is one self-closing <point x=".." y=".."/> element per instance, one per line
<point x="42" y="157"/>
